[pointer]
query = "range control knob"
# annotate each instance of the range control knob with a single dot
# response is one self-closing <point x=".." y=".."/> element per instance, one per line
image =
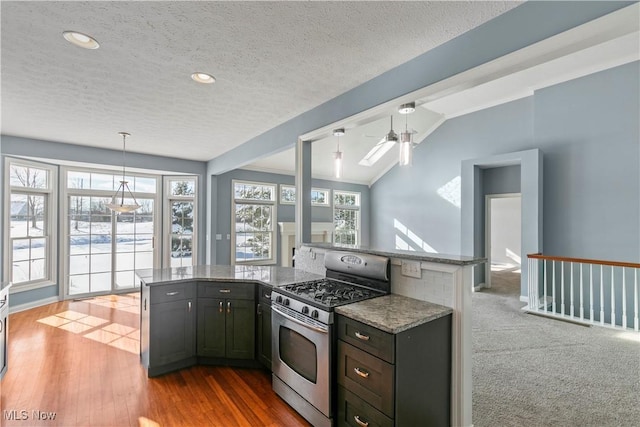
<point x="279" y="299"/>
<point x="305" y="310"/>
<point x="286" y="302"/>
<point x="315" y="314"/>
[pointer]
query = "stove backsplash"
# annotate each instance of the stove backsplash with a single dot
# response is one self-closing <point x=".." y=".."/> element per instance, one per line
<point x="308" y="259"/>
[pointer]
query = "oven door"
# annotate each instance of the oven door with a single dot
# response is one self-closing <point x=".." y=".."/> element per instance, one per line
<point x="302" y="357"/>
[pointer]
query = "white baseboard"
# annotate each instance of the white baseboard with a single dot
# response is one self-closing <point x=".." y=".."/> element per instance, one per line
<point x="479" y="286"/>
<point x="34" y="304"/>
<point x="524" y="299"/>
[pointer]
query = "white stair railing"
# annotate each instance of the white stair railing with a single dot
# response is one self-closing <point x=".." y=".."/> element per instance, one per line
<point x="597" y="292"/>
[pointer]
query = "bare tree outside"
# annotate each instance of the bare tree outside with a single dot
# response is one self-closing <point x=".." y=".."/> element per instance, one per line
<point x="30" y="178"/>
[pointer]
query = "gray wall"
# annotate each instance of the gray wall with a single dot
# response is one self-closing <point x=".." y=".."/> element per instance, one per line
<point x="221" y="205"/>
<point x="588" y="131"/>
<point x="55" y="152"/>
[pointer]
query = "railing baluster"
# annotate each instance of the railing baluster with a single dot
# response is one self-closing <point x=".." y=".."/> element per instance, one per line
<point x="613" y="301"/>
<point x="562" y="288"/>
<point x="571" y="294"/>
<point x="544" y="287"/>
<point x="591" y="292"/>
<point x="635" y="300"/>
<point x="624" y="299"/>
<point x="581" y="294"/>
<point x="553" y="289"/>
<point x="601" y="295"/>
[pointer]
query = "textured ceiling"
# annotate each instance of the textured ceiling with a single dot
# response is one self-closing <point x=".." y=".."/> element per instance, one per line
<point x="272" y="61"/>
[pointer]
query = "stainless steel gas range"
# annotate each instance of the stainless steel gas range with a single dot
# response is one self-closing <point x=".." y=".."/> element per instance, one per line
<point x="302" y="329"/>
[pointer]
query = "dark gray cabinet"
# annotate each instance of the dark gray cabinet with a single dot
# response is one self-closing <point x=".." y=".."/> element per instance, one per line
<point x="263" y="338"/>
<point x="226" y="324"/>
<point x="167" y="327"/>
<point x="4" y="331"/>
<point x="401" y="379"/>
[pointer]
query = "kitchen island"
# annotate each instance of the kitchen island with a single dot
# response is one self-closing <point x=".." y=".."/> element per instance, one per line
<point x="207" y="315"/>
<point x="437" y="278"/>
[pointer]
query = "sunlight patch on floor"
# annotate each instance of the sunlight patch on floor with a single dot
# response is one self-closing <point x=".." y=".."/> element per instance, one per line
<point x="98" y="329"/>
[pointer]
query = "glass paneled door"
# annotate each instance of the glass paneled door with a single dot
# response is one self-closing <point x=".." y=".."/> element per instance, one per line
<point x="105" y="248"/>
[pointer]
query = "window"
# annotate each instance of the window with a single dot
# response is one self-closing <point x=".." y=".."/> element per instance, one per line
<point x="180" y="211"/>
<point x="30" y="210"/>
<point x="253" y="228"/>
<point x="346" y="217"/>
<point x="319" y="197"/>
<point x="102" y="248"/>
<point x="287" y="194"/>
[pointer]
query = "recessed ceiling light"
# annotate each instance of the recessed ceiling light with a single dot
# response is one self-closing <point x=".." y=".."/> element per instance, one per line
<point x="203" y="78"/>
<point x="81" y="40"/>
<point x="407" y="108"/>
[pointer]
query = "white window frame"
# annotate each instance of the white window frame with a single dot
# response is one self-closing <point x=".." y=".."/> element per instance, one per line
<point x="51" y="217"/>
<point x="327" y="198"/>
<point x="64" y="223"/>
<point x="326" y="191"/>
<point x="274" y="223"/>
<point x="356" y="208"/>
<point x="289" y="187"/>
<point x="166" y="212"/>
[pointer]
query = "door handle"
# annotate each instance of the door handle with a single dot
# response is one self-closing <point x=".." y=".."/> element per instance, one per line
<point x="189" y="305"/>
<point x="145" y="304"/>
<point x="220" y="307"/>
<point x="259" y="310"/>
<point x="360" y="372"/>
<point x="228" y="306"/>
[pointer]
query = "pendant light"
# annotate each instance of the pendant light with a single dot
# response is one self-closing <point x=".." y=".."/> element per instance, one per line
<point x="118" y="200"/>
<point x="406" y="144"/>
<point x="337" y="155"/>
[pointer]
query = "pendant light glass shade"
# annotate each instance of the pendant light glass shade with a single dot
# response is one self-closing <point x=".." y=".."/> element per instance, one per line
<point x="337" y="155"/>
<point x="406" y="149"/>
<point x="123" y="200"/>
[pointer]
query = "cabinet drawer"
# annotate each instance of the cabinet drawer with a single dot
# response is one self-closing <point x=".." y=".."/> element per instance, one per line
<point x="367" y="376"/>
<point x="226" y="290"/>
<point x="372" y="340"/>
<point x="174" y="292"/>
<point x="355" y="412"/>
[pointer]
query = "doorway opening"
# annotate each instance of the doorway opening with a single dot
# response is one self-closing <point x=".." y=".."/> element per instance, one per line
<point x="503" y="239"/>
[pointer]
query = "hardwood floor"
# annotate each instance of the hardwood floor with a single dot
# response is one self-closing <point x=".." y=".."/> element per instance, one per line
<point x="79" y="360"/>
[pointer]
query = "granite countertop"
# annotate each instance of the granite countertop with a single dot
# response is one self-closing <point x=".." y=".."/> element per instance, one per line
<point x="267" y="275"/>
<point x="411" y="255"/>
<point x="393" y="313"/>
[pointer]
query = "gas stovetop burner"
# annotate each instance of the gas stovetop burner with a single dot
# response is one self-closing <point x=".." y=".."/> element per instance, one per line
<point x="330" y="292"/>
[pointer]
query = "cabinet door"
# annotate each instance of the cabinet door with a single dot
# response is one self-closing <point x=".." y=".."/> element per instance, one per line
<point x="264" y="334"/>
<point x="172" y="332"/>
<point x="240" y="329"/>
<point x="211" y="327"/>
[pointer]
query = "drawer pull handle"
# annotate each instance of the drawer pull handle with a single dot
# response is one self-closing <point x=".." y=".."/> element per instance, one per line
<point x="189" y="305"/>
<point x="220" y="307"/>
<point x="363" y="374"/>
<point x="268" y="296"/>
<point x="362" y="336"/>
<point x="172" y="294"/>
<point x="359" y="421"/>
<point x="225" y="291"/>
<point x="228" y="306"/>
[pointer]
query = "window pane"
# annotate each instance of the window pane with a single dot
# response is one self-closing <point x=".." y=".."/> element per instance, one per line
<point x="145" y="260"/>
<point x="125" y="279"/>
<point x="101" y="282"/>
<point x="287" y="194"/>
<point x="182" y="217"/>
<point x="20" y="249"/>
<point x="20" y="271"/>
<point x="145" y="185"/>
<point x="79" y="284"/>
<point x="144" y="242"/>
<point x="19" y="215"/>
<point x="80" y="180"/>
<point x="38" y="269"/>
<point x="125" y="261"/>
<point x="38" y="248"/>
<point x="103" y="182"/>
<point x="78" y="264"/>
<point x="98" y="206"/>
<point x="125" y="243"/>
<point x="79" y="244"/>
<point x="254" y="192"/>
<point x="100" y="263"/>
<point x="24" y="176"/>
<point x="100" y="243"/>
<point x="183" y="188"/>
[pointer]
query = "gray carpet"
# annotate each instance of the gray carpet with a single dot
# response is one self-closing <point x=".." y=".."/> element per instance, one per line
<point x="533" y="371"/>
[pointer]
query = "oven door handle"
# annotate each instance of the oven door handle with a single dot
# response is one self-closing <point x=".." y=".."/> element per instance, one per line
<point x="299" y="322"/>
